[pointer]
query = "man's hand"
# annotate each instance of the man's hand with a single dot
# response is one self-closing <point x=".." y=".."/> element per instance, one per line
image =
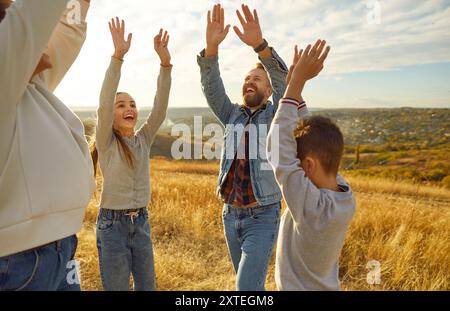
<point x="216" y="31"/>
<point x="121" y="45"/>
<point x="306" y="65"/>
<point x="161" y="42"/>
<point x="252" y="34"/>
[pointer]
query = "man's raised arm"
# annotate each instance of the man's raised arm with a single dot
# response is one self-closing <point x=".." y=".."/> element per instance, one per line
<point x="208" y="61"/>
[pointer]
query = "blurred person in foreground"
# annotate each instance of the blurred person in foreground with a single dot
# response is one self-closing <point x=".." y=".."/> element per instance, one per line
<point x="46" y="172"/>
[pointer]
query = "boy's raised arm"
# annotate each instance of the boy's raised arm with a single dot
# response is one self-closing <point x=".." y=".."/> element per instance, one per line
<point x="297" y="189"/>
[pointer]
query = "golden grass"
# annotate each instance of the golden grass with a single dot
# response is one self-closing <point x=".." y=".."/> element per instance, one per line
<point x="398" y="187"/>
<point x="405" y="227"/>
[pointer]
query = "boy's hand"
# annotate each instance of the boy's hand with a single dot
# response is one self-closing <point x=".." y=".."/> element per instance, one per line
<point x="121" y="45"/>
<point x="306" y="65"/>
<point x="161" y="42"/>
<point x="294" y="62"/>
<point x="216" y="31"/>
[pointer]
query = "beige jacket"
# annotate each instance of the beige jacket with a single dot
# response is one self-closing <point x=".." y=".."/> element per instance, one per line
<point x="46" y="173"/>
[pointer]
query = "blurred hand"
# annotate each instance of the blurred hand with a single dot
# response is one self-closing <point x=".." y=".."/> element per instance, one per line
<point x="161" y="43"/>
<point x="121" y="46"/>
<point x="4" y="4"/>
<point x="216" y="31"/>
<point x="252" y="34"/>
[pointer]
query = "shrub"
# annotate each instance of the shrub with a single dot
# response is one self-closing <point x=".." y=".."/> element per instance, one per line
<point x="436" y="175"/>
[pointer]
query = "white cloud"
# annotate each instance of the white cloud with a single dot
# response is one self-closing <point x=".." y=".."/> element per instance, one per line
<point x="411" y="32"/>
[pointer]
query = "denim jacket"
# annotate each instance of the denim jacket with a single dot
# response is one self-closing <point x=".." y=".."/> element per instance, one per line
<point x="234" y="118"/>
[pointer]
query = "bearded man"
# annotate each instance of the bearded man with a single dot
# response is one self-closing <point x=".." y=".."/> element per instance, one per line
<point x="247" y="185"/>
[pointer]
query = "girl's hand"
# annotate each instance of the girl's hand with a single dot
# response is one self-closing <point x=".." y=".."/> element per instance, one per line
<point x="121" y="46"/>
<point x="161" y="42"/>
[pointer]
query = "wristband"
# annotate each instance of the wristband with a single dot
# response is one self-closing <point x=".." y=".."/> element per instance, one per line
<point x="291" y="101"/>
<point x="261" y="47"/>
<point x="287" y="100"/>
<point x="301" y="105"/>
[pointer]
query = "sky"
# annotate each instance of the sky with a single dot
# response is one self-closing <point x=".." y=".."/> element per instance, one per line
<point x="384" y="53"/>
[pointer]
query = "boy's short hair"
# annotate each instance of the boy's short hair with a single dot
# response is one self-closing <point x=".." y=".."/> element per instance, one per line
<point x="320" y="137"/>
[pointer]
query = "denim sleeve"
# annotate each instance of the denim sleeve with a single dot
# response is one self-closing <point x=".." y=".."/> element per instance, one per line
<point x="213" y="88"/>
<point x="277" y="72"/>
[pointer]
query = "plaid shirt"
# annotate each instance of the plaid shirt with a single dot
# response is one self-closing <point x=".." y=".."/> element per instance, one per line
<point x="237" y="189"/>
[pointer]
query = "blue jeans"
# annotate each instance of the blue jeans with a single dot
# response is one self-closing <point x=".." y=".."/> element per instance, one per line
<point x="124" y="247"/>
<point x="251" y="234"/>
<point x="46" y="268"/>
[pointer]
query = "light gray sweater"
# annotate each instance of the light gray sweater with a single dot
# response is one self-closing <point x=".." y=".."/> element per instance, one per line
<point x="313" y="227"/>
<point x="123" y="187"/>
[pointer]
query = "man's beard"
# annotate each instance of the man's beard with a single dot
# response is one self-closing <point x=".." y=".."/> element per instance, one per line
<point x="254" y="100"/>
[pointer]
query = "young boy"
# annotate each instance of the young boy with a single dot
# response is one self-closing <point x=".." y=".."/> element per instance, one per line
<point x="320" y="204"/>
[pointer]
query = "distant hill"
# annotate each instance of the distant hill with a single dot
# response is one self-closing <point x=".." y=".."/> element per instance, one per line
<point x="385" y="126"/>
<point x="360" y="126"/>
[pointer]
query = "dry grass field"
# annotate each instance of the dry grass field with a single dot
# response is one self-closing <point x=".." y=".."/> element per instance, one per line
<point x="403" y="226"/>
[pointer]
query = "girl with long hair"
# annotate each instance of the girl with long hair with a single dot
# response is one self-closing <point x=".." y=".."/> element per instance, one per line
<point x="123" y="230"/>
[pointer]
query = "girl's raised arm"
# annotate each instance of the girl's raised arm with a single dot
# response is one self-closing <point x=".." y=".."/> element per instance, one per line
<point x="161" y="101"/>
<point x="105" y="112"/>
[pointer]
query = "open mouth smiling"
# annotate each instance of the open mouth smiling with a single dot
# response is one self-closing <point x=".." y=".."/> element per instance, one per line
<point x="250" y="90"/>
<point x="129" y="117"/>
